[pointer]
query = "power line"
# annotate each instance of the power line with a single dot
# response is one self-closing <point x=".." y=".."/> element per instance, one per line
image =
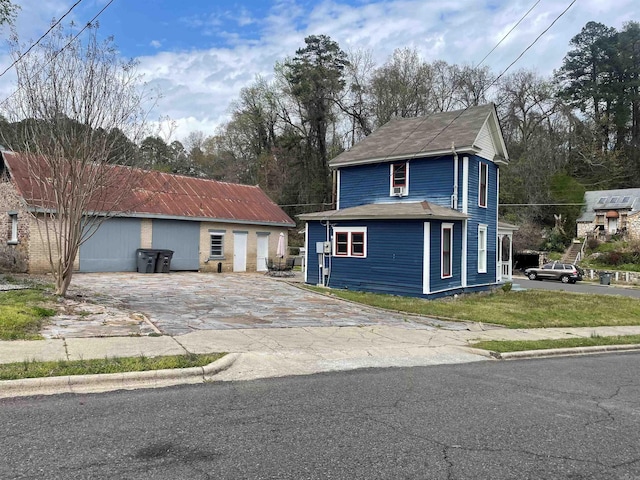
<point x="508" y="33"/>
<point x="504" y="71"/>
<point x="87" y="25"/>
<point x="40" y="39"/>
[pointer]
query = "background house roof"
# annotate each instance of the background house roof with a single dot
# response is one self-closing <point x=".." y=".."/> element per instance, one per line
<point x="403" y="138"/>
<point x="385" y="211"/>
<point x="602" y="200"/>
<point x="157" y="194"/>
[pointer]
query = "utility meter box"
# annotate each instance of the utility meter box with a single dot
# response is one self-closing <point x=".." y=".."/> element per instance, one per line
<point x="323" y="247"/>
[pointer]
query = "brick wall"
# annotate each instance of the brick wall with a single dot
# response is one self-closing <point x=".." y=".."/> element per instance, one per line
<point x="10" y="201"/>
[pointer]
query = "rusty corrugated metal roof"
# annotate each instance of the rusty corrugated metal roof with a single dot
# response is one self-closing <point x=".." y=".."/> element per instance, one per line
<point x="151" y="193"/>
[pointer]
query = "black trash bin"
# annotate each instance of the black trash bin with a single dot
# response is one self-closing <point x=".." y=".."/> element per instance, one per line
<point x="163" y="262"/>
<point x="605" y="278"/>
<point x="146" y="260"/>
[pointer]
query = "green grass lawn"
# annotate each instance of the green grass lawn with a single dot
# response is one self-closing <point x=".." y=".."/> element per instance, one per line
<point x="22" y="313"/>
<point x="31" y="369"/>
<point x="528" y="309"/>
<point x="504" y="346"/>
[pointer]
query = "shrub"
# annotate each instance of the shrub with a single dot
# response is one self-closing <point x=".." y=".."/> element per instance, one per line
<point x="12" y="260"/>
<point x="593" y="243"/>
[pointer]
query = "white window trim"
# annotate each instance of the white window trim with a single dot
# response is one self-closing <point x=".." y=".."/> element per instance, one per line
<point x="14" y="228"/>
<point x="406" y="186"/>
<point x="349" y="231"/>
<point x="486" y="185"/>
<point x="426" y="261"/>
<point x="482" y="249"/>
<point x="442" y="229"/>
<point x="215" y="233"/>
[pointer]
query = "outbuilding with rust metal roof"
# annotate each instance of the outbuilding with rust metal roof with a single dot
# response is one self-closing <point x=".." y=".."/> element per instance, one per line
<point x="209" y="225"/>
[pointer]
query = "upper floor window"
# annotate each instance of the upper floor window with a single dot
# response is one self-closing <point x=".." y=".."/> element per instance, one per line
<point x="350" y="241"/>
<point x="447" y="250"/>
<point x="482" y="249"/>
<point x="399" y="179"/>
<point x="483" y="183"/>
<point x="13" y="234"/>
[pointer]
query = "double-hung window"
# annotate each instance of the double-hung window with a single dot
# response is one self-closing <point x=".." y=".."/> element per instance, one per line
<point x="399" y="179"/>
<point x="482" y="249"/>
<point x="216" y="244"/>
<point x="483" y="183"/>
<point x="446" y="258"/>
<point x="13" y="234"/>
<point x="350" y="241"/>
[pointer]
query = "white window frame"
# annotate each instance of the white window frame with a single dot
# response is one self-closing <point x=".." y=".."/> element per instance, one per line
<point x="446" y="226"/>
<point x="349" y="231"/>
<point x="482" y="248"/>
<point x="405" y="190"/>
<point x="483" y="198"/>
<point x="216" y="233"/>
<point x="13" y="216"/>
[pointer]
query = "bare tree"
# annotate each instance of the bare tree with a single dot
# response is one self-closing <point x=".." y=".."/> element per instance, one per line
<point x="75" y="102"/>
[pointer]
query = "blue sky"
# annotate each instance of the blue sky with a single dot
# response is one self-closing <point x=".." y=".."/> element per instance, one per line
<point x="200" y="53"/>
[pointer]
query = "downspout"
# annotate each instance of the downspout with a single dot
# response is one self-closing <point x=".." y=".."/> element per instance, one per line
<point x="454" y="197"/>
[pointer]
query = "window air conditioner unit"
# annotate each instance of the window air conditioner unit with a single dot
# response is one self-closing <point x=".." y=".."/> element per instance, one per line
<point x="398" y="191"/>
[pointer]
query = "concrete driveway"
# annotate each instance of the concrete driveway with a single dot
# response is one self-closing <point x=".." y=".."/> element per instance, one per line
<point x="180" y="303"/>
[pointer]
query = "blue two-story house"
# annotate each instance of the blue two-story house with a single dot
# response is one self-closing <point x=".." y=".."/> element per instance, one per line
<point x="417" y="210"/>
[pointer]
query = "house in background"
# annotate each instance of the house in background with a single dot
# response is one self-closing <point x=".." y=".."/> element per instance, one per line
<point x="610" y="212"/>
<point x="417" y="210"/>
<point x="210" y="225"/>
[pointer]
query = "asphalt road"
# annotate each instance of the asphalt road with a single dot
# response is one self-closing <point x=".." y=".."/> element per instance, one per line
<point x="575" y="417"/>
<point x="578" y="287"/>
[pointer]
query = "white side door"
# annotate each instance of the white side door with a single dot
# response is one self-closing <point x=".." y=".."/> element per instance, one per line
<point x="240" y="251"/>
<point x="262" y="254"/>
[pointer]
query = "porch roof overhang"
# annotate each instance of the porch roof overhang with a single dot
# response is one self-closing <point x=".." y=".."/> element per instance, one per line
<point x="389" y="211"/>
<point x="505" y="228"/>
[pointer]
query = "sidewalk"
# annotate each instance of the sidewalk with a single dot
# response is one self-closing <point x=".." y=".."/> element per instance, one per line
<point x="263" y="353"/>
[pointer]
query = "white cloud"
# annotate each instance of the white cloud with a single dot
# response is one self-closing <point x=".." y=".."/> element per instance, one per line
<point x="198" y="85"/>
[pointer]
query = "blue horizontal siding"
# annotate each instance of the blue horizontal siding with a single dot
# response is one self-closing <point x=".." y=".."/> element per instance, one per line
<point x="393" y="263"/>
<point x="430" y="179"/>
<point x="479" y="215"/>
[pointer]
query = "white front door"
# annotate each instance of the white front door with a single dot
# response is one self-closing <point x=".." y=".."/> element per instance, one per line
<point x="613" y="225"/>
<point x="262" y="252"/>
<point x="240" y="251"/>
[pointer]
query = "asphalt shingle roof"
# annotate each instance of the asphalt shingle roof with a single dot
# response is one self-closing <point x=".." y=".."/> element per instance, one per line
<point x="409" y="137"/>
<point x="384" y="211"/>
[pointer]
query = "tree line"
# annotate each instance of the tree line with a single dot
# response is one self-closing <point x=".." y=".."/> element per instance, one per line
<point x="575" y="130"/>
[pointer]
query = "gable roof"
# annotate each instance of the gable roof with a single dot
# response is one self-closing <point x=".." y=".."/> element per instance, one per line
<point x="161" y="195"/>
<point x="389" y="211"/>
<point x="474" y="130"/>
<point x="600" y="200"/>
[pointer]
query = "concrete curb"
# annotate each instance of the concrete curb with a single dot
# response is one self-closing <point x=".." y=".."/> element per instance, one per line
<point x="114" y="381"/>
<point x="553" y="352"/>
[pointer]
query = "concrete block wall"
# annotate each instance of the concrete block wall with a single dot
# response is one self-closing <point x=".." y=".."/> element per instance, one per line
<point x="211" y="265"/>
<point x="146" y="233"/>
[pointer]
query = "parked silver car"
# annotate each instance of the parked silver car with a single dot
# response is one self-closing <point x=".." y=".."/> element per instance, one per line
<point x="565" y="272"/>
